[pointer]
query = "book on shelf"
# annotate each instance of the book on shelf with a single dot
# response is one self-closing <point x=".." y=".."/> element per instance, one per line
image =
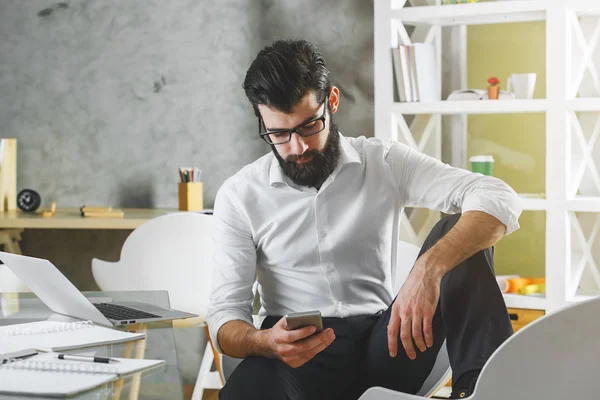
<point x="101" y="212"/>
<point x="399" y="93"/>
<point x="412" y="73"/>
<point x="477" y="94"/>
<point x="406" y="73"/>
<point x="415" y="73"/>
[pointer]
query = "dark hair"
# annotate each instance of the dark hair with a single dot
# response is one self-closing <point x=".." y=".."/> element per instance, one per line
<point x="285" y="72"/>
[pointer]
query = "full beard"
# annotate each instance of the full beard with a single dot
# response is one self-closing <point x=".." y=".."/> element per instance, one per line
<point x="322" y="163"/>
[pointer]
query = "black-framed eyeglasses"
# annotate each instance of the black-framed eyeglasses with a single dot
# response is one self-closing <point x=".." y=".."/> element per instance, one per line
<point x="281" y="136"/>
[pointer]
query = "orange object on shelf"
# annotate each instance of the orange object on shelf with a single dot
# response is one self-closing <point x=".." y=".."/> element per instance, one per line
<point x="47" y="213"/>
<point x="514" y="284"/>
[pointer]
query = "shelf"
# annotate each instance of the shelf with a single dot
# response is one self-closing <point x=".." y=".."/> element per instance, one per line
<point x="591" y="104"/>
<point x="473" y="14"/>
<point x="471" y="107"/>
<point x="533" y="203"/>
<point x="584" y="204"/>
<point x="538" y="302"/>
<point x="486" y="13"/>
<point x="585" y="8"/>
<point x="583" y="297"/>
<point x="584" y="104"/>
<point x="527" y="302"/>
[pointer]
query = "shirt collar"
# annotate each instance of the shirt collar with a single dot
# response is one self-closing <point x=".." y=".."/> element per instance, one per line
<point x="276" y="174"/>
<point x="349" y="155"/>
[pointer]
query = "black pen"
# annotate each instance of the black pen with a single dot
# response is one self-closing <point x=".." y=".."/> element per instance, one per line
<point x="23" y="357"/>
<point x="69" y="357"/>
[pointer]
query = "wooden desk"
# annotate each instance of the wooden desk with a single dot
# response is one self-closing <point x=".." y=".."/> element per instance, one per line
<point x="12" y="223"/>
<point x="70" y="218"/>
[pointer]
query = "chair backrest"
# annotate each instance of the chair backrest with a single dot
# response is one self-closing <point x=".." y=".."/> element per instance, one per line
<point x="172" y="252"/>
<point x="555" y="357"/>
<point x="9" y="281"/>
<point x="405" y="259"/>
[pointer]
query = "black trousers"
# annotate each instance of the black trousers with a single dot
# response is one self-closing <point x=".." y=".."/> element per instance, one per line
<point x="471" y="316"/>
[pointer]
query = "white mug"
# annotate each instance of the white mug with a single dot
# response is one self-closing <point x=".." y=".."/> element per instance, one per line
<point x="521" y="86"/>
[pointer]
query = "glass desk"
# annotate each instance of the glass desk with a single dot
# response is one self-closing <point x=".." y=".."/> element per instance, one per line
<point x="163" y="382"/>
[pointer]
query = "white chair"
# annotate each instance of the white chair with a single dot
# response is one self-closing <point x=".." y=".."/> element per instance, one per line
<point x="555" y="357"/>
<point x="441" y="372"/>
<point x="172" y="252"/>
<point x="9" y="283"/>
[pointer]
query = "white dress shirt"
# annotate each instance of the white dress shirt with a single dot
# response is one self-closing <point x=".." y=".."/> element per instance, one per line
<point x="333" y="249"/>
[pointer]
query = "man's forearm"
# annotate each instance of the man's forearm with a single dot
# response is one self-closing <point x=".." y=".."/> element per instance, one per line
<point x="240" y="339"/>
<point x="474" y="231"/>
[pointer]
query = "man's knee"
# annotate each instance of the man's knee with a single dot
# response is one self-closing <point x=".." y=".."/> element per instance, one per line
<point x="444" y="225"/>
<point x="472" y="267"/>
<point x="438" y="231"/>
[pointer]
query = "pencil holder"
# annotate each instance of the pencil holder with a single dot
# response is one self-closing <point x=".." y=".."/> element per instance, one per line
<point x="190" y="196"/>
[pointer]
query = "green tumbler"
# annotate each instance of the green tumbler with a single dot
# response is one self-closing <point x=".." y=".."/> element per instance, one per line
<point x="482" y="164"/>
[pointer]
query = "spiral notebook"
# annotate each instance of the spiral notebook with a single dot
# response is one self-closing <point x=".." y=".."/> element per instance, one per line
<point x="44" y="375"/>
<point x="59" y="336"/>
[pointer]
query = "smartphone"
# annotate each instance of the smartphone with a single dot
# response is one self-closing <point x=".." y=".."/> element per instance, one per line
<point x="302" y="319"/>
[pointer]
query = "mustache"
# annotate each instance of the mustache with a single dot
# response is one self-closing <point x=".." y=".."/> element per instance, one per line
<point x="295" y="157"/>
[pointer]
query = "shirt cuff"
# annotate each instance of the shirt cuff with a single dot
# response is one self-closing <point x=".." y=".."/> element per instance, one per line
<point x="506" y="210"/>
<point x="216" y="321"/>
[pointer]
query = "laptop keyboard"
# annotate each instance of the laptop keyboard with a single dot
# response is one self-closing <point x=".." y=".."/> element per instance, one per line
<point x="119" y="312"/>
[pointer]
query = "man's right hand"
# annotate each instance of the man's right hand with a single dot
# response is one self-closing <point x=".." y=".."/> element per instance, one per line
<point x="296" y="347"/>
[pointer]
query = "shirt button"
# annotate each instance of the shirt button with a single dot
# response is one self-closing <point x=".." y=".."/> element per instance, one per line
<point x="338" y="309"/>
<point x="323" y="234"/>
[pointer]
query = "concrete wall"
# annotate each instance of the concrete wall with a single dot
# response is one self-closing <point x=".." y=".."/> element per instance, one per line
<point x="107" y="98"/>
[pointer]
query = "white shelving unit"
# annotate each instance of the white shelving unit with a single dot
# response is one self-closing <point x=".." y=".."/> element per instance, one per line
<point x="471" y="107"/>
<point x="572" y="122"/>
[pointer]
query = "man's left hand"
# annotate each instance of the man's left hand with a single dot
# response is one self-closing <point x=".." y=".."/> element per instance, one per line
<point x="412" y="312"/>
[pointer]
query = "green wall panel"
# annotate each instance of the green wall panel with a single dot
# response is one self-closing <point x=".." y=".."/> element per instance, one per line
<point x="516" y="141"/>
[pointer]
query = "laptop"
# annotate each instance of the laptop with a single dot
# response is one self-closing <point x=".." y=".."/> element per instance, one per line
<point x="62" y="297"/>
